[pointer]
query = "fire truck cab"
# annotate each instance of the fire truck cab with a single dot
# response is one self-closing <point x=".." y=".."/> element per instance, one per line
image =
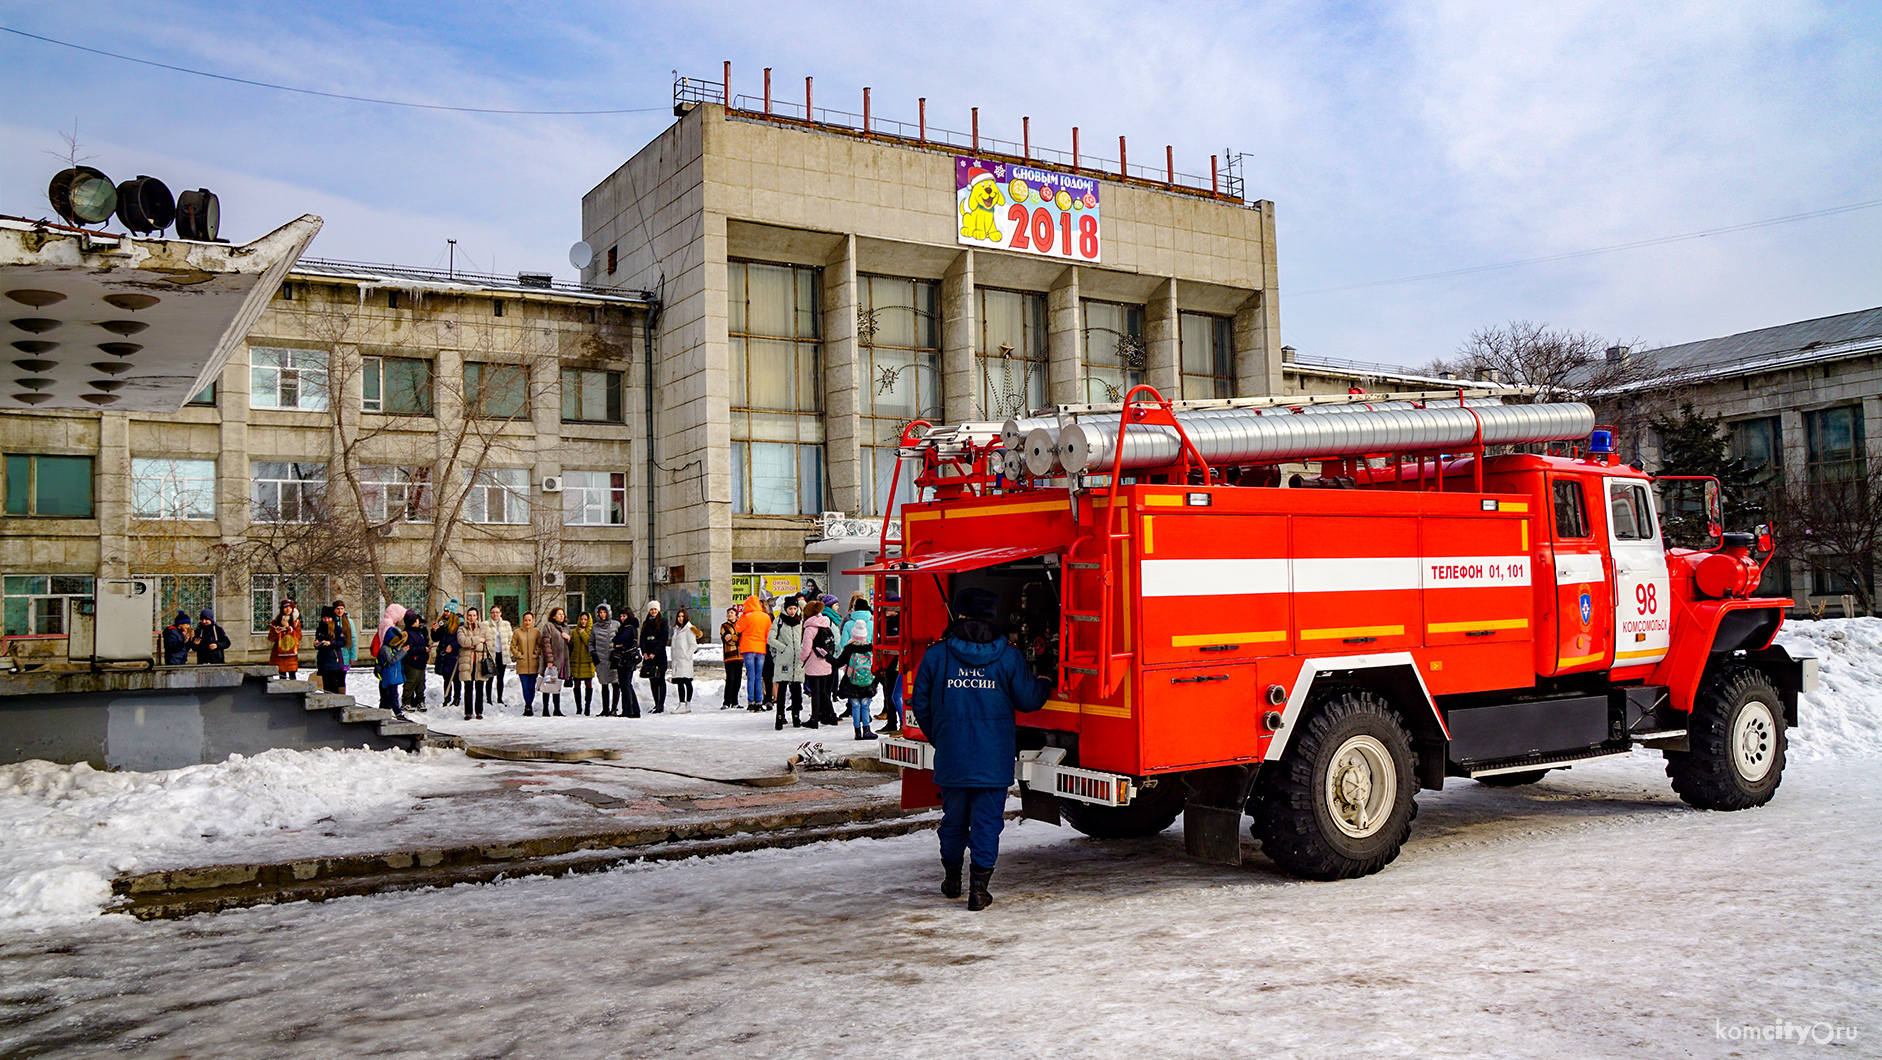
<point x="1226" y="640"/>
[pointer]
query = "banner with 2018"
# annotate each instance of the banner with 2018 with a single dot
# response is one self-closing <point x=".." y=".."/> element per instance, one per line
<point x="1022" y="208"/>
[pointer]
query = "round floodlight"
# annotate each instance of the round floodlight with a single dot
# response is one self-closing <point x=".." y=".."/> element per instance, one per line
<point x="83" y="195"/>
<point x="581" y="254"/>
<point x="145" y="204"/>
<point x="198" y="215"/>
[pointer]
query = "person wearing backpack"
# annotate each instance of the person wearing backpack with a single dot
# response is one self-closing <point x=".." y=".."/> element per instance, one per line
<point x="859" y="679"/>
<point x="786" y="647"/>
<point x="819" y="654"/>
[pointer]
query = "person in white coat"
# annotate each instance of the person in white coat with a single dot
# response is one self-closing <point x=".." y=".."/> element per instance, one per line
<point x="685" y="639"/>
<point x="499" y="632"/>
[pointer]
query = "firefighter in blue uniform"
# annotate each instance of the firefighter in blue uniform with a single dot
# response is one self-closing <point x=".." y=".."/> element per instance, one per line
<point x="966" y="692"/>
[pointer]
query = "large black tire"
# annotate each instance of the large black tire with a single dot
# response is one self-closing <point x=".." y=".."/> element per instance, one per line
<point x="1153" y="810"/>
<point x="1338" y="803"/>
<point x="1737" y="743"/>
<point x="1514" y="780"/>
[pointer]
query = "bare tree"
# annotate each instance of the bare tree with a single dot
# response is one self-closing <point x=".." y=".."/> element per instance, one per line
<point x="1835" y="524"/>
<point x="1561" y="365"/>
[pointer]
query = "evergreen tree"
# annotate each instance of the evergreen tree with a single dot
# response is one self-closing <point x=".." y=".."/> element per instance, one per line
<point x="1695" y="444"/>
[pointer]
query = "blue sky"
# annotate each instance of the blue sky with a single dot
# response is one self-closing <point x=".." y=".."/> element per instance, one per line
<point x="1395" y="139"/>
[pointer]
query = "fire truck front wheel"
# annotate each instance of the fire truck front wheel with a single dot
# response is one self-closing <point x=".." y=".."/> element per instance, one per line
<point x="1338" y="803"/>
<point x="1153" y="810"/>
<point x="1737" y="743"/>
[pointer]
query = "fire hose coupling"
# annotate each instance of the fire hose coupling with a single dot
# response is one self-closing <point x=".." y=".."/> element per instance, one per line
<point x="1277" y="695"/>
<point x="1271" y="721"/>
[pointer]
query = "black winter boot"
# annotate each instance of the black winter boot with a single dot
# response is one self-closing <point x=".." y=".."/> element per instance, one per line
<point x="950" y="879"/>
<point x="977" y="896"/>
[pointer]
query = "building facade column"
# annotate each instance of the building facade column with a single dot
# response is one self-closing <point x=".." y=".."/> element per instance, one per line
<point x="111" y="492"/>
<point x="1163" y="357"/>
<point x="960" y="335"/>
<point x="842" y="406"/>
<point x="1065" y="341"/>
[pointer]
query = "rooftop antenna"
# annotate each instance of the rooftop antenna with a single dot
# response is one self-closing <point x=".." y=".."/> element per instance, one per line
<point x="451" y="266"/>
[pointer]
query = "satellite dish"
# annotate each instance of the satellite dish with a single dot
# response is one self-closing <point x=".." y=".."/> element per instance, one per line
<point x="581" y="254"/>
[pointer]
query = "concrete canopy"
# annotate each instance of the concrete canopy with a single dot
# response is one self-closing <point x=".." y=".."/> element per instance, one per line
<point x="93" y="320"/>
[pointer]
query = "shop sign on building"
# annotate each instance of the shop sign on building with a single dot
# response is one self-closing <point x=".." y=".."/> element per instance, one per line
<point x="1024" y="209"/>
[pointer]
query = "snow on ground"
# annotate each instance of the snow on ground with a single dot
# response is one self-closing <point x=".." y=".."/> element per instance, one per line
<point x="1592" y="915"/>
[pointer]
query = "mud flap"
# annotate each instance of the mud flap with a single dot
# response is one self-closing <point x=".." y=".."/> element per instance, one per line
<point x="919" y="791"/>
<point x="1213" y="833"/>
<point x="1039" y="806"/>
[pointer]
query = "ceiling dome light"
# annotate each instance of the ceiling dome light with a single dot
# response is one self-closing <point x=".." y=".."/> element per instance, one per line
<point x="132" y="302"/>
<point x="33" y="384"/>
<point x="107" y="367"/>
<point x="122" y="327"/>
<point x="32" y="399"/>
<point x="35" y="298"/>
<point x="145" y="204"/>
<point x="108" y="384"/>
<point x="33" y="365"/>
<point x="100" y="399"/>
<point x="34" y="345"/>
<point x="120" y="349"/>
<point x="35" y="325"/>
<point x="83" y="195"/>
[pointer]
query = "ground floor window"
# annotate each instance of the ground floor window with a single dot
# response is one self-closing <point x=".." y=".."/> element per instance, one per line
<point x="588" y="591"/>
<point x="772" y="579"/>
<point x="42" y="605"/>
<point x="188" y="593"/>
<point x="267" y="591"/>
<point x="412" y="591"/>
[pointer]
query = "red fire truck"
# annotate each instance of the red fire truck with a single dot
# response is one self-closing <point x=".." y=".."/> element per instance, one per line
<point x="1309" y="649"/>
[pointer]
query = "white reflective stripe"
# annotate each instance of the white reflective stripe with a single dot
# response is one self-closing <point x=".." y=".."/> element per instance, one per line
<point x="1577" y="567"/>
<point x="1474" y="572"/>
<point x="1214" y="577"/>
<point x="1355" y="574"/>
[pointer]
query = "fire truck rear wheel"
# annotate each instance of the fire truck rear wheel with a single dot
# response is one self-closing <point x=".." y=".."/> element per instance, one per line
<point x="1338" y="804"/>
<point x="1514" y="780"/>
<point x="1153" y="810"/>
<point x="1737" y="743"/>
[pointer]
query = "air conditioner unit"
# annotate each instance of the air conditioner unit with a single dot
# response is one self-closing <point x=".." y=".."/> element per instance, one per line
<point x="552" y="579"/>
<point x="552" y="483"/>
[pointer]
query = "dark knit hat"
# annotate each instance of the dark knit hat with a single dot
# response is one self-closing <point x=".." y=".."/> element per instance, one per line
<point x="977" y="603"/>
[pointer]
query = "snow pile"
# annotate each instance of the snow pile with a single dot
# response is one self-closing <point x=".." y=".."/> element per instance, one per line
<point x="69" y="829"/>
<point x="1843" y="718"/>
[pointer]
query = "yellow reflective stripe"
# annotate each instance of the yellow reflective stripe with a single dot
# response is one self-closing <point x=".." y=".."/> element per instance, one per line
<point x="1490" y="623"/>
<point x="1267" y="637"/>
<point x="1100" y="709"/>
<point x="1655" y="652"/>
<point x="1580" y="659"/>
<point x="1005" y="509"/>
<point x="1061" y="705"/>
<point x="1513" y="506"/>
<point x="1150" y="541"/>
<point x="1164" y="500"/>
<point x="1525" y="525"/>
<point x="1343" y="632"/>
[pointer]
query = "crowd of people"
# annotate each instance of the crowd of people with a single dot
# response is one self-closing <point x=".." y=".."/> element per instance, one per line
<point x="800" y="646"/>
<point x="780" y="653"/>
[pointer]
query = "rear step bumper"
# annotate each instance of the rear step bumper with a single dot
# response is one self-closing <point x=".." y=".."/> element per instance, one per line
<point x="1561" y="761"/>
<point x="1038" y="770"/>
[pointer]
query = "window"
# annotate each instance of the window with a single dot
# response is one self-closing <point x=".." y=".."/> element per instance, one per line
<point x="413" y="591"/>
<point x="1208" y="356"/>
<point x="900" y="330"/>
<point x="777" y="392"/>
<point x="496" y="391"/>
<point x="594" y="498"/>
<point x="1571" y="519"/>
<point x="287" y="379"/>
<point x="162" y="488"/>
<point x="1840" y="575"/>
<point x="775" y="478"/>
<point x="205" y="396"/>
<point x="49" y="487"/>
<point x="591" y="397"/>
<point x="1114" y="350"/>
<point x="266" y="593"/>
<point x="498" y="495"/>
<point x="1011" y="355"/>
<point x="188" y="593"/>
<point x="586" y="592"/>
<point x="397" y="386"/>
<point x="1834" y="445"/>
<point x="39" y="605"/>
<point x="1632" y="511"/>
<point x="395" y="494"/>
<point x="613" y="258"/>
<point x="287" y="492"/>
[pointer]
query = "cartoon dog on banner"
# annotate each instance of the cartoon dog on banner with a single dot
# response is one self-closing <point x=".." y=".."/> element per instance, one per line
<point x="977" y="202"/>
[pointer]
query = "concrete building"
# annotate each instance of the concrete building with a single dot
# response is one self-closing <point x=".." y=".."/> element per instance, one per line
<point x="1801" y="399"/>
<point x="824" y="279"/>
<point x="470" y="430"/>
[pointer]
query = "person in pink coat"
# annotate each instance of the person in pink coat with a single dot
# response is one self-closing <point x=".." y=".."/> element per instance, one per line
<point x="819" y="655"/>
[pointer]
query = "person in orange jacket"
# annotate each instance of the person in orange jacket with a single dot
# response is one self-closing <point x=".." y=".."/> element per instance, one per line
<point x="754" y="630"/>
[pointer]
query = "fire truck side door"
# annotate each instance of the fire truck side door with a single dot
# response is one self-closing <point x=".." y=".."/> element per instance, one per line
<point x="1583" y="605"/>
<point x="1642" y="632"/>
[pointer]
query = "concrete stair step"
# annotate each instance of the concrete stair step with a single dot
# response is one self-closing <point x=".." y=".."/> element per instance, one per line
<point x="353" y="715"/>
<point x="402" y="728"/>
<point x="329" y="700"/>
<point x="282" y="688"/>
